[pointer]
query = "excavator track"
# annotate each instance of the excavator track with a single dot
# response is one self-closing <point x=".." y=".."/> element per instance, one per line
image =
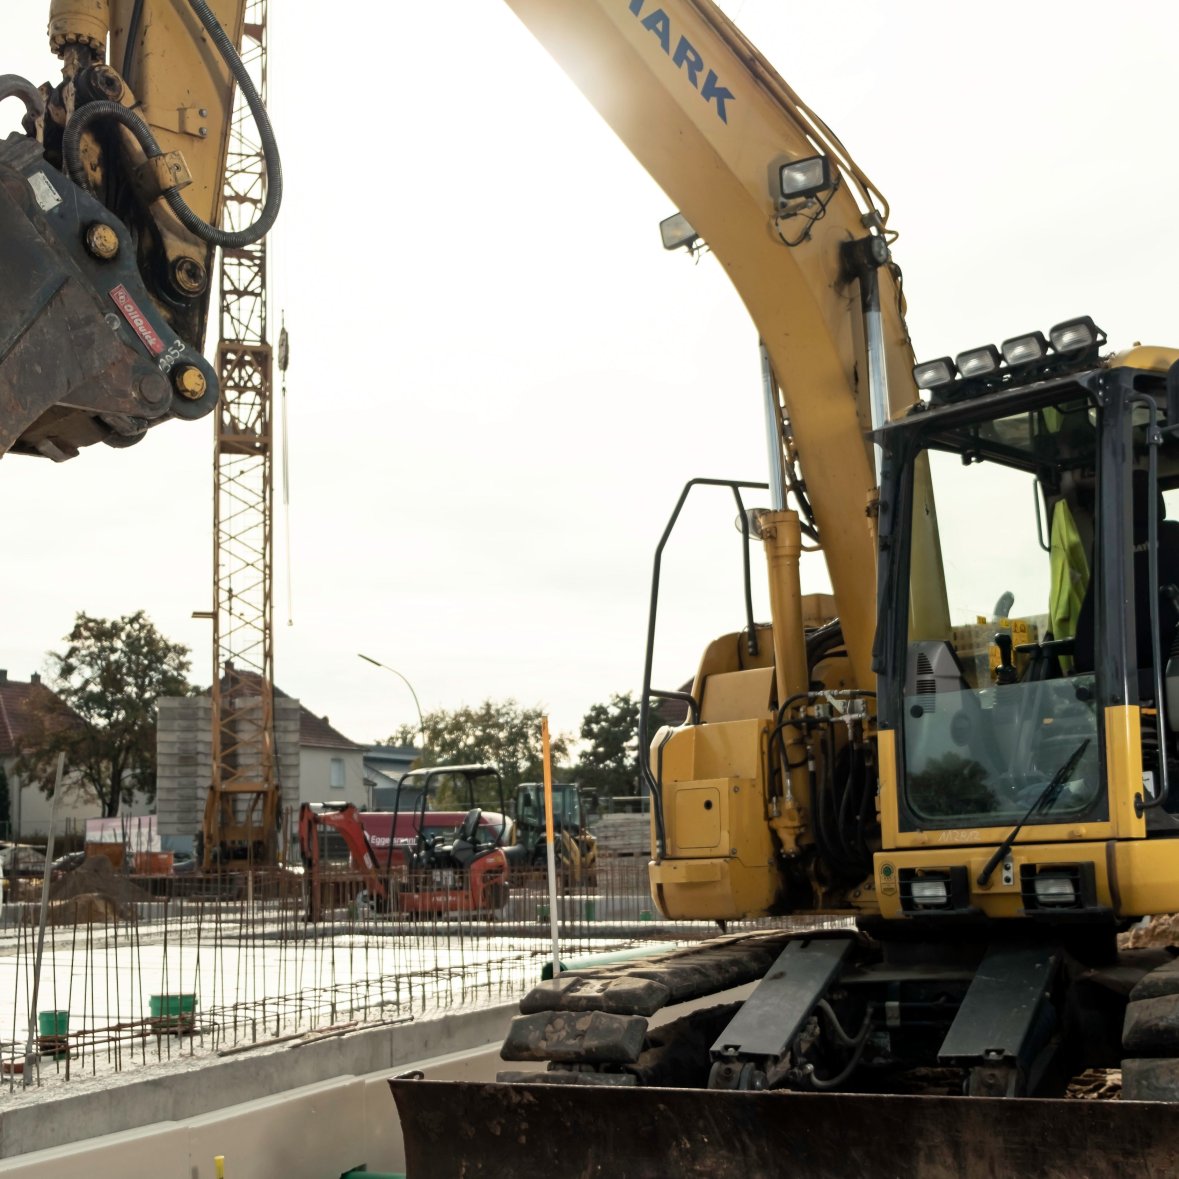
<point x="592" y="1025"/>
<point x="1150" y="1037"/>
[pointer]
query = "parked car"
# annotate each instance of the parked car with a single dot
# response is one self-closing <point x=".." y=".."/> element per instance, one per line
<point x="19" y="859"/>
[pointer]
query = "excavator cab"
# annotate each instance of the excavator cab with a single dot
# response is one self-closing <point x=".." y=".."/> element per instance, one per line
<point x="1040" y="740"/>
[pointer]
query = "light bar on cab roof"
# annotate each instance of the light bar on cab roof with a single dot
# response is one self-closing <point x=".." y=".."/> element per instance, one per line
<point x="979" y="362"/>
<point x="1024" y="349"/>
<point x="804" y="178"/>
<point x="932" y="374"/>
<point x="1075" y="335"/>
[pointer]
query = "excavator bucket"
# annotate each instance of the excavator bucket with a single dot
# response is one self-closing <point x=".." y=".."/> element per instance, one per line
<point x="578" y="1131"/>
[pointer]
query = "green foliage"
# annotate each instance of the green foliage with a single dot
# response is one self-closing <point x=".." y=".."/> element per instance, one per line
<point x="101" y="712"/>
<point x="497" y="732"/>
<point x="609" y="764"/>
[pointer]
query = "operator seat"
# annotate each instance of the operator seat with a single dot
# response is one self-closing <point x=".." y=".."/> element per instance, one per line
<point x="464" y="850"/>
<point x="1085" y="644"/>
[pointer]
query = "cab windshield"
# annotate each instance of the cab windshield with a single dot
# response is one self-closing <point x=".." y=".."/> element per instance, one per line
<point x="993" y="707"/>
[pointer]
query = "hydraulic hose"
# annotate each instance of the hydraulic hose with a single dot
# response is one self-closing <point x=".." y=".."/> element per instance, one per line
<point x="14" y="86"/>
<point x="226" y="239"/>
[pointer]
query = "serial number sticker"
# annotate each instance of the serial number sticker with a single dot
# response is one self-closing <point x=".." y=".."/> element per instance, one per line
<point x="137" y="319"/>
<point x="43" y="191"/>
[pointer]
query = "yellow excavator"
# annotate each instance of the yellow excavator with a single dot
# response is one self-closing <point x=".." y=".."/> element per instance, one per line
<point x="985" y="796"/>
<point x="110" y="210"/>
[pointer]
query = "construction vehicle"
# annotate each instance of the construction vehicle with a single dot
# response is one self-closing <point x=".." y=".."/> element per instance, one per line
<point x="986" y="821"/>
<point x="460" y="871"/>
<point x="109" y="206"/>
<point x="317" y="826"/>
<point x="576" y="848"/>
<point x="464" y="874"/>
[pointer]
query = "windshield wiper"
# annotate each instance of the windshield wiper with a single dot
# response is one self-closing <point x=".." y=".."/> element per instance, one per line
<point x="1047" y="797"/>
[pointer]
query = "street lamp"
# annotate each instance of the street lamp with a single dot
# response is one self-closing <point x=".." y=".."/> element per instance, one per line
<point x="421" y="721"/>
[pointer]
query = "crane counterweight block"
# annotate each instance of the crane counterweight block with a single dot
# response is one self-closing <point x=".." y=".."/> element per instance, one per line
<point x="86" y="355"/>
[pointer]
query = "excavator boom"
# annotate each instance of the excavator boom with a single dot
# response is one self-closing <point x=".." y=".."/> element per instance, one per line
<point x="713" y="123"/>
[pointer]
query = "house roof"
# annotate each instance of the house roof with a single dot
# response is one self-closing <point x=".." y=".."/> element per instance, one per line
<point x="314" y="730"/>
<point x="16" y="710"/>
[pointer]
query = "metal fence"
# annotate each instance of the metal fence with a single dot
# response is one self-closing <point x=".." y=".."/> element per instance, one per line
<point x="198" y="966"/>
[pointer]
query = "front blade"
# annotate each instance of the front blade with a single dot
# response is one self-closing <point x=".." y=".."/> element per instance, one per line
<point x="474" y="1130"/>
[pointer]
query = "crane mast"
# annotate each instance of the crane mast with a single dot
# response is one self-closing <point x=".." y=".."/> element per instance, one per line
<point x="242" y="807"/>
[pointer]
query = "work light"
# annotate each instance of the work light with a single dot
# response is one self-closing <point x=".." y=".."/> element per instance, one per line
<point x="932" y="374"/>
<point x="1024" y="349"/>
<point x="677" y="231"/>
<point x="979" y="362"/>
<point x="1075" y="335"/>
<point x="804" y="178"/>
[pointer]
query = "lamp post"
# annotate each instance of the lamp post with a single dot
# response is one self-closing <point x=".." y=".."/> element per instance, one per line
<point x="394" y="671"/>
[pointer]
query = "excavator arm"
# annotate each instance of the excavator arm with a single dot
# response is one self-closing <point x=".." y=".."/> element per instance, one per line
<point x="714" y="124"/>
<point x="345" y="821"/>
<point x="110" y="204"/>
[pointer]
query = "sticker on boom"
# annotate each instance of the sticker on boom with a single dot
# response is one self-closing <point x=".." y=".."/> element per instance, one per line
<point x="137" y="319"/>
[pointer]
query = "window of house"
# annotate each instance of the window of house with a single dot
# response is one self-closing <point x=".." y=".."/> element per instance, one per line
<point x="337" y="781"/>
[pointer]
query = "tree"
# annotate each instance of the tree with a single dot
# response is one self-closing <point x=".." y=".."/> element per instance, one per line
<point x="609" y="764"/>
<point x="501" y="733"/>
<point x="101" y="712"/>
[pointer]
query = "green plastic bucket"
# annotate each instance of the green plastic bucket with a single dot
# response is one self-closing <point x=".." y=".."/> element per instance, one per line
<point x="53" y="1023"/>
<point x="173" y="1013"/>
<point x="54" y="1028"/>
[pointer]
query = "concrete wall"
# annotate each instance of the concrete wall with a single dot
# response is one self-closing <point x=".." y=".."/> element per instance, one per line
<point x="269" y="1112"/>
<point x="184" y="752"/>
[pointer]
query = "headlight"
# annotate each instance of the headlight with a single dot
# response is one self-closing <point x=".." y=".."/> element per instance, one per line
<point x="979" y="362"/>
<point x="1055" y="891"/>
<point x="934" y="373"/>
<point x="804" y="178"/>
<point x="1024" y="349"/>
<point x="930" y="893"/>
<point x="1075" y="335"/>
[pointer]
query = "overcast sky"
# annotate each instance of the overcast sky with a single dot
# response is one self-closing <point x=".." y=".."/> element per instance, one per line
<point x="499" y="381"/>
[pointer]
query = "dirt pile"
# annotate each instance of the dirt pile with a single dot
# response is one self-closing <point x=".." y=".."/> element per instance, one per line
<point x="1162" y="930"/>
<point x="87" y="909"/>
<point x="96" y="877"/>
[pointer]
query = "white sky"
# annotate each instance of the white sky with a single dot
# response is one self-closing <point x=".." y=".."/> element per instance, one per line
<point x="499" y="381"/>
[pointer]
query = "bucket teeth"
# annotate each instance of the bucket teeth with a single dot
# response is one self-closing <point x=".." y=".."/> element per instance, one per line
<point x="589" y="1037"/>
<point x="620" y="996"/>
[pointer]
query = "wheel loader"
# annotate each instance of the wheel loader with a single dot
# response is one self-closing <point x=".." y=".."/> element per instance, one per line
<point x="973" y="765"/>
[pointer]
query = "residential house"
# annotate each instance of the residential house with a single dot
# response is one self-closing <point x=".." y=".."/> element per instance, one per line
<point x="28" y="805"/>
<point x="331" y="766"/>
